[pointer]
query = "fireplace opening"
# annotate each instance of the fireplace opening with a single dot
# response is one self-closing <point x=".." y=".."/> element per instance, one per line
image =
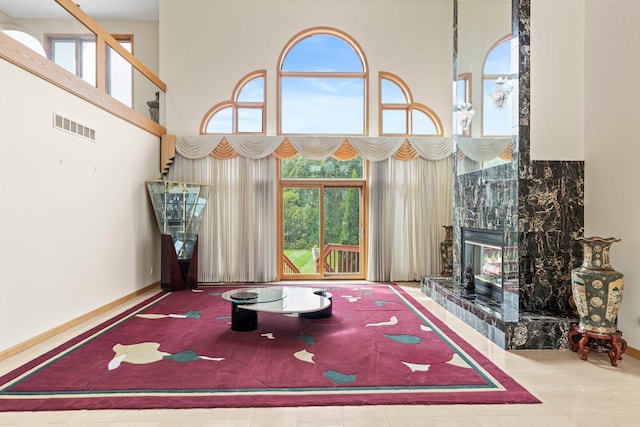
<point x="482" y="249"/>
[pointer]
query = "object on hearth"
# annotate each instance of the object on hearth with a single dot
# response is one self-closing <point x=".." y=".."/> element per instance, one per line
<point x="469" y="279"/>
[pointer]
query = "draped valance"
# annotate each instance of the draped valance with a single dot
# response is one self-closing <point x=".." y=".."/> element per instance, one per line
<point x="314" y="147"/>
<point x="485" y="149"/>
<point x="320" y="147"/>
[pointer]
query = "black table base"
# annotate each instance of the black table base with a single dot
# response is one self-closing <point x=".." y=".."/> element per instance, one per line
<point x="243" y="320"/>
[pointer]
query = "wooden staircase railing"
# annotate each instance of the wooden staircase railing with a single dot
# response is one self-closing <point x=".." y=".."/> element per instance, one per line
<point x="340" y="259"/>
<point x="288" y="266"/>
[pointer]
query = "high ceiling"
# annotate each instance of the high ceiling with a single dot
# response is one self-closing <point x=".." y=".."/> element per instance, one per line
<point x="98" y="9"/>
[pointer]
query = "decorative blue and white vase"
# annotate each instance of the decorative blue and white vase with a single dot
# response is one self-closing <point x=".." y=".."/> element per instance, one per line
<point x="597" y="288"/>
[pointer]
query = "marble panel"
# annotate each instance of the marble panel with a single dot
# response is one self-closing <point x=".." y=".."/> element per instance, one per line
<point x="534" y="331"/>
<point x="525" y="331"/>
<point x="550" y="216"/>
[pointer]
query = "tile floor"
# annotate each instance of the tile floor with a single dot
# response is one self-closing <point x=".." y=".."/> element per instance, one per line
<point x="573" y="392"/>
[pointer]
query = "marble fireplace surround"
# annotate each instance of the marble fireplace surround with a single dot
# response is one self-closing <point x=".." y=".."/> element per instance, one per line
<point x="539" y="206"/>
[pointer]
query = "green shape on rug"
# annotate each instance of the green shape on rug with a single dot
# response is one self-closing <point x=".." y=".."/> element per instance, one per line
<point x="184" y="356"/>
<point x="192" y="314"/>
<point x="381" y="303"/>
<point x="308" y="339"/>
<point x="405" y="339"/>
<point x="339" y="378"/>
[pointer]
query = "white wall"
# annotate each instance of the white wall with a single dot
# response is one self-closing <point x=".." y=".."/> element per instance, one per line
<point x="557" y="80"/>
<point x="77" y="228"/>
<point x="612" y="67"/>
<point x="206" y="47"/>
<point x="585" y="64"/>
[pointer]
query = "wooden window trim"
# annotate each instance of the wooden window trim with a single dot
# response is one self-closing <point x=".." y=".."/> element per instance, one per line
<point x="468" y="88"/>
<point x="409" y="107"/>
<point x="364" y="74"/>
<point x="486" y="77"/>
<point x="235" y="105"/>
<point x="242" y="83"/>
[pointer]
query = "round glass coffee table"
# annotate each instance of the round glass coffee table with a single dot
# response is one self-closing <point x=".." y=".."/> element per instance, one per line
<point x="247" y="302"/>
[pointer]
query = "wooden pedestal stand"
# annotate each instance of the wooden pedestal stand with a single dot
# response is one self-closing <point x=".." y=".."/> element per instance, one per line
<point x="177" y="275"/>
<point x="612" y="344"/>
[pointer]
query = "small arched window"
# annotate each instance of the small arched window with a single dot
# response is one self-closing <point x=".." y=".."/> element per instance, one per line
<point x="244" y="113"/>
<point x="497" y="86"/>
<point x="399" y="114"/>
<point x="322" y="84"/>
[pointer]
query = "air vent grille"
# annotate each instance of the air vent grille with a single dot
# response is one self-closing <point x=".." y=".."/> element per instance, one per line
<point x="71" y="126"/>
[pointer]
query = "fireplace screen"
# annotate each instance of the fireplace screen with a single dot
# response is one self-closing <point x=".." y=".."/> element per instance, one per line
<point x="482" y="249"/>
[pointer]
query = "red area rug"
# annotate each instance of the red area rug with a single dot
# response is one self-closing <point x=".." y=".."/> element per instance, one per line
<point x="177" y="350"/>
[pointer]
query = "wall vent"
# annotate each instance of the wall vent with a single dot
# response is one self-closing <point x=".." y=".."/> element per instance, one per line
<point x="71" y="126"/>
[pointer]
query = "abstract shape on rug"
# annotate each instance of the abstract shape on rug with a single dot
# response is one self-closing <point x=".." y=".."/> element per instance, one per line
<point x="407" y="339"/>
<point x="147" y="352"/>
<point x="177" y="350"/>
<point x="304" y="355"/>
<point x="417" y="367"/>
<point x="339" y="378"/>
<point x="392" y="321"/>
<point x="191" y="314"/>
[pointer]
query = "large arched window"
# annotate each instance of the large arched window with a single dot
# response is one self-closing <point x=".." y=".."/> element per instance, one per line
<point x="322" y="84"/>
<point x="496" y="90"/>
<point x="244" y="113"/>
<point x="399" y="114"/>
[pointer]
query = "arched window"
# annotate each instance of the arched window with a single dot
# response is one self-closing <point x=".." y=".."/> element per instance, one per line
<point x="399" y="114"/>
<point x="244" y="113"/>
<point x="496" y="89"/>
<point x="322" y="84"/>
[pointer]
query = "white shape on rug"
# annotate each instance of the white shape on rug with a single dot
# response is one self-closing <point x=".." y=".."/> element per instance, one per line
<point x="392" y="321"/>
<point x="417" y="367"/>
<point x="304" y="355"/>
<point x="456" y="360"/>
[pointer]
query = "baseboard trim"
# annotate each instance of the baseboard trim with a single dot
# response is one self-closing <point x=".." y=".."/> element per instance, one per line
<point x="633" y="352"/>
<point x="70" y="324"/>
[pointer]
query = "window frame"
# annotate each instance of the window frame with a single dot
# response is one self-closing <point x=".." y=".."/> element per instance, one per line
<point x="79" y="40"/>
<point x="364" y="75"/>
<point x="466" y="79"/>
<point x="491" y="77"/>
<point x="409" y="107"/>
<point x="236" y="105"/>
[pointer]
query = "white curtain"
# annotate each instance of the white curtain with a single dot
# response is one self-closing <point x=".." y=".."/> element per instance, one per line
<point x="237" y="238"/>
<point x="410" y="202"/>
